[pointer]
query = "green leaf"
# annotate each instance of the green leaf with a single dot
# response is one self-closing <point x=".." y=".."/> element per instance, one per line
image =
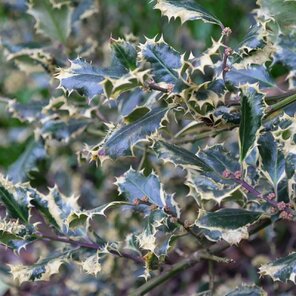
<point x="80" y="217"/>
<point x="247" y="290"/>
<point x="137" y="186"/>
<point x="84" y="78"/>
<point x="14" y="235"/>
<point x="179" y="156"/>
<point x="254" y="39"/>
<point x="282" y="12"/>
<point x="251" y="116"/>
<point x="164" y="60"/>
<point x="228" y="224"/>
<point x="42" y="270"/>
<point x="250" y="75"/>
<point x="120" y="141"/>
<point x="15" y="199"/>
<point x="125" y="53"/>
<point x="272" y="160"/>
<point x="186" y="10"/>
<point x="51" y="22"/>
<point x="19" y="170"/>
<point x="63" y="130"/>
<point x="282" y="269"/>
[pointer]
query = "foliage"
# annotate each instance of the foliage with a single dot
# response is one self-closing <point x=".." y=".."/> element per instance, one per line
<point x="177" y="155"/>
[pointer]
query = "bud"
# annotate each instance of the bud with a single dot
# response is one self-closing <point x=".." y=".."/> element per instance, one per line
<point x="281" y="205"/>
<point x="271" y="196"/>
<point x="226" y="31"/>
<point x="238" y="174"/>
<point x="145" y="198"/>
<point x="228" y="51"/>
<point x="136" y="202"/>
<point x="226" y="174"/>
<point x="153" y="207"/>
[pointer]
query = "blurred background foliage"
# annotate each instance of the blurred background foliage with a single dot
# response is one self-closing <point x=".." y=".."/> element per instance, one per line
<point x="18" y="150"/>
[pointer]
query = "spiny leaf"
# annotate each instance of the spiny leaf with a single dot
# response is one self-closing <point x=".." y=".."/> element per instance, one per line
<point x="179" y="156"/>
<point x="85" y="78"/>
<point x="92" y="264"/>
<point x="42" y="270"/>
<point x="125" y="52"/>
<point x="137" y="186"/>
<point x="80" y="217"/>
<point x="247" y="290"/>
<point x="251" y="116"/>
<point x="19" y="170"/>
<point x="283" y="12"/>
<point x="228" y="224"/>
<point x="52" y="22"/>
<point x="63" y="130"/>
<point x="186" y="10"/>
<point x="272" y="160"/>
<point x="164" y="60"/>
<point x="250" y="75"/>
<point x="16" y="200"/>
<point x="119" y="142"/>
<point x="282" y="269"/>
<point x="56" y="208"/>
<point x="15" y="235"/>
<point x="254" y="39"/>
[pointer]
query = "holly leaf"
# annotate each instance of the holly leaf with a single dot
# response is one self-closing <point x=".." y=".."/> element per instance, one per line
<point x="228" y="224"/>
<point x="251" y="116"/>
<point x="26" y="163"/>
<point x="80" y="217"/>
<point x="179" y="156"/>
<point x="83" y="10"/>
<point x="137" y="186"/>
<point x="251" y="75"/>
<point x="247" y="290"/>
<point x="272" y="159"/>
<point x="282" y="269"/>
<point x="52" y="22"/>
<point x="120" y="141"/>
<point x="186" y="10"/>
<point x="15" y="235"/>
<point x="15" y="199"/>
<point x="42" y="270"/>
<point x="164" y="60"/>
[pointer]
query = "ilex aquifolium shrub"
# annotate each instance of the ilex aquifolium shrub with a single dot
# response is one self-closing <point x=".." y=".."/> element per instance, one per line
<point x="219" y="122"/>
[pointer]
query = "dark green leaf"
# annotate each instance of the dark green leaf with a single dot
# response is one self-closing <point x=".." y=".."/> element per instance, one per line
<point x="272" y="160"/>
<point x="164" y="60"/>
<point x="121" y="140"/>
<point x="251" y="116"/>
<point x="228" y="224"/>
<point x="250" y="75"/>
<point x="282" y="269"/>
<point x="27" y="162"/>
<point x="179" y="156"/>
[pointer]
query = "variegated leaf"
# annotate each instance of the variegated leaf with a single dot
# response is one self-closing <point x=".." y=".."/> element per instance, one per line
<point x="137" y="186"/>
<point x="282" y="12"/>
<point x="251" y="75"/>
<point x="52" y="22"/>
<point x="165" y="61"/>
<point x="228" y="224"/>
<point x="272" y="160"/>
<point x="15" y="199"/>
<point x="63" y="130"/>
<point x="83" y="10"/>
<point x="179" y="156"/>
<point x="120" y="141"/>
<point x="80" y="217"/>
<point x="282" y="269"/>
<point x="247" y="290"/>
<point x="42" y="270"/>
<point x="92" y="263"/>
<point x="26" y="163"/>
<point x="15" y="235"/>
<point x="252" y="104"/>
<point x="186" y="10"/>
